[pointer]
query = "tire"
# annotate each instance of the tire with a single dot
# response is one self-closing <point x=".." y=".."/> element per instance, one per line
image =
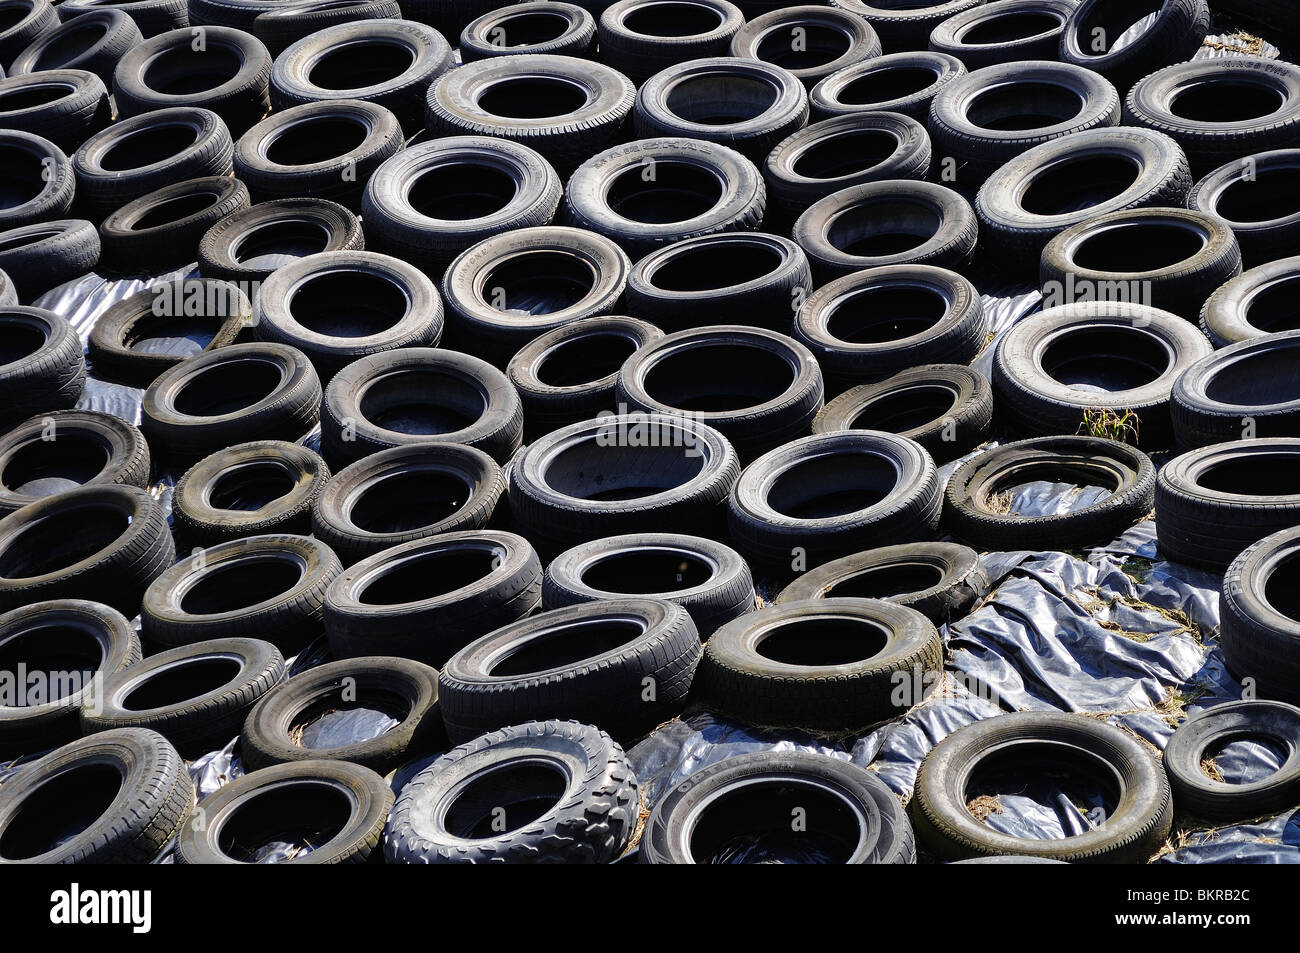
<point x="845" y="151"/>
<point x="94" y="41"/>
<point x="745" y="105"/>
<point x="1015" y="218"/>
<point x="44" y="636"/>
<point x="868" y="344"/>
<point x="1126" y="471"/>
<point x="731" y="278"/>
<point x="903" y="83"/>
<point x="946" y="408"/>
<point x="1133" y="831"/>
<point x="64" y="106"/>
<point x="405" y="494"/>
<point x="379" y="683"/>
<point x="905" y="26"/>
<point x="245" y="248"/>
<point x="1196" y="793"/>
<point x="986" y="118"/>
<point x="151" y="16"/>
<point x="768" y="385"/>
<point x="568" y="374"/>
<point x="567" y="135"/>
<point x="423" y="47"/>
<point x="433" y="201"/>
<point x="1006" y="31"/>
<point x="653" y="192"/>
<point x="1207" y="519"/>
<point x="1174" y="35"/>
<point x="43" y="256"/>
<point x="314" y="788"/>
<point x="239" y="401"/>
<point x="145" y="235"/>
<point x="197" y="308"/>
<point x="295" y="153"/>
<point x="196" y="696"/>
<point x="26" y="20"/>
<point x="438" y="818"/>
<point x="1237" y="393"/>
<point x="942" y="581"/>
<point x="643" y="37"/>
<point x="119" y="546"/>
<point x="66" y="449"/>
<point x="445" y="396"/>
<point x="706" y="578"/>
<point x="237" y="14"/>
<point x="39" y="177"/>
<point x="1053" y="371"/>
<point x="855" y="818"/>
<point x="1251" y="195"/>
<point x="1253" y="304"/>
<point x="1258" y="632"/>
<point x="540" y="26"/>
<point x="602" y="678"/>
<point x="547" y="276"/>
<point x="338" y="307"/>
<point x="840" y="232"/>
<point x="589" y="481"/>
<point x="429" y="598"/>
<point x="832" y="39"/>
<point x="1177" y="258"/>
<point x="44" y="370"/>
<point x="871" y="486"/>
<point x="250" y="489"/>
<point x="132" y="778"/>
<point x="146" y="153"/>
<point x="284" y="26"/>
<point x="230" y="75"/>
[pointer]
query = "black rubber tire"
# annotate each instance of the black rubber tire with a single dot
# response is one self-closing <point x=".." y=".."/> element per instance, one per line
<point x="423" y="48"/>
<point x="429" y="598"/>
<point x="1055" y="369"/>
<point x="899" y="82"/>
<point x="405" y="494"/>
<point x="854" y="40"/>
<point x="939" y="221"/>
<point x="172" y="237"/>
<point x="840" y="152"/>
<point x="643" y="37"/>
<point x="249" y="489"/>
<point x="1176" y="257"/>
<point x="201" y="713"/>
<point x="304" y="783"/>
<point x="590" y="821"/>
<point x="151" y="16"/>
<point x="633" y="675"/>
<point x="580" y="362"/>
<point x="906" y="25"/>
<point x="946" y="408"/>
<point x="1006" y="31"/>
<point x="1015" y="234"/>
<point x="39" y="257"/>
<point x="246" y="247"/>
<point x="1208" y="519"/>
<point x="433" y="201"/>
<point x="113" y="351"/>
<point x="94" y="41"/>
<point x="557" y="483"/>
<point x="64" y="106"/>
<point x="566" y="137"/>
<point x="195" y="143"/>
<point x="542" y="278"/>
<point x="229" y="74"/>
<point x="544" y="26"/>
<point x="239" y="14"/>
<point x="769" y="384"/>
<point x="27" y="20"/>
<point x="730" y="278"/>
<point x="41" y="175"/>
<point x="47" y="371"/>
<point x="985" y="119"/>
<point x="1258" y="630"/>
<point x="266" y="739"/>
<point x="153" y="798"/>
<point x="121" y="545"/>
<point x="1255" y="303"/>
<point x="942" y="581"/>
<point x="911" y="336"/>
<point x="1125" y="470"/>
<point x="708" y="579"/>
<point x="1254" y="196"/>
<point x="284" y="26"/>
<point x="780" y="782"/>
<point x="213" y="421"/>
<point x="481" y="407"/>
<point x="1237" y="393"/>
<point x="1134" y="829"/>
<point x="1175" y="35"/>
<point x="64" y="449"/>
<point x="100" y="638"/>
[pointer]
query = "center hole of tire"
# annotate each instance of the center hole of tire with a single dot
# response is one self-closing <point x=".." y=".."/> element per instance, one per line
<point x="844" y="154"/>
<point x="42" y="467"/>
<point x="19" y="340"/>
<point x="286" y="821"/>
<point x="241" y="583"/>
<point x="539" y="282"/>
<point x="905" y="410"/>
<point x="532" y="97"/>
<point x="887" y="84"/>
<point x="1272" y="194"/>
<point x="62" y="539"/>
<point x="673" y="19"/>
<point x="179" y="336"/>
<point x="67" y="655"/>
<point x="821" y="643"/>
<point x="228" y="387"/>
<point x="1026" y="105"/>
<point x="317" y="140"/>
<point x="183" y="71"/>
<point x="248" y="487"/>
<point x="428" y="576"/>
<point x="1282" y="586"/>
<point x="1106" y="359"/>
<point x="891" y="579"/>
<point x="72" y="44"/>
<point x="836" y="484"/>
<point x="882" y="228"/>
<point x="721" y="99"/>
<point x="1137" y="247"/>
<point x="1226" y="100"/>
<point x="181" y="683"/>
<point x="803" y="45"/>
<point x="60" y="809"/>
<point x="530" y="29"/>
<point x="348" y="304"/>
<point x="1009" y="27"/>
<point x="1049" y="489"/>
<point x="1079" y="182"/>
<point x="750" y="824"/>
<point x="651" y="460"/>
<point x="408" y="499"/>
<point x="1261" y="377"/>
<point x="566" y="643"/>
<point x="647" y="570"/>
<point x="1007" y="786"/>
<point x="331" y="722"/>
<point x="1276" y="307"/>
<point x="1243" y="758"/>
<point x="882" y="313"/>
<point x="148" y="146"/>
<point x="22" y="176"/>
<point x="33" y="96"/>
<point x="718" y="378"/>
<point x="460" y="191"/>
<point x="716" y="265"/>
<point x="584" y="359"/>
<point x="1253" y="474"/>
<point x="422" y="401"/>
<point x="361" y="65"/>
<point x="675" y="192"/>
<point x="516" y="793"/>
<point x="174" y="209"/>
<point x="276" y="243"/>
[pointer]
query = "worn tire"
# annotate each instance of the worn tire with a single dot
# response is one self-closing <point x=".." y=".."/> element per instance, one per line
<point x="1238" y="391"/>
<point x="1259" y="632"/>
<point x="1006" y="31"/>
<point x="39" y="257"/>
<point x="163" y="229"/>
<point x="1255" y="303"/>
<point x="246" y="247"/>
<point x="39" y="177"/>
<point x="1174" y="36"/>
<point x="64" y="106"/>
<point x="899" y="82"/>
<point x="1251" y="195"/>
<point x="542" y="26"/>
<point x="94" y="41"/>
<point x="832" y="38"/>
<point x="44" y="369"/>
